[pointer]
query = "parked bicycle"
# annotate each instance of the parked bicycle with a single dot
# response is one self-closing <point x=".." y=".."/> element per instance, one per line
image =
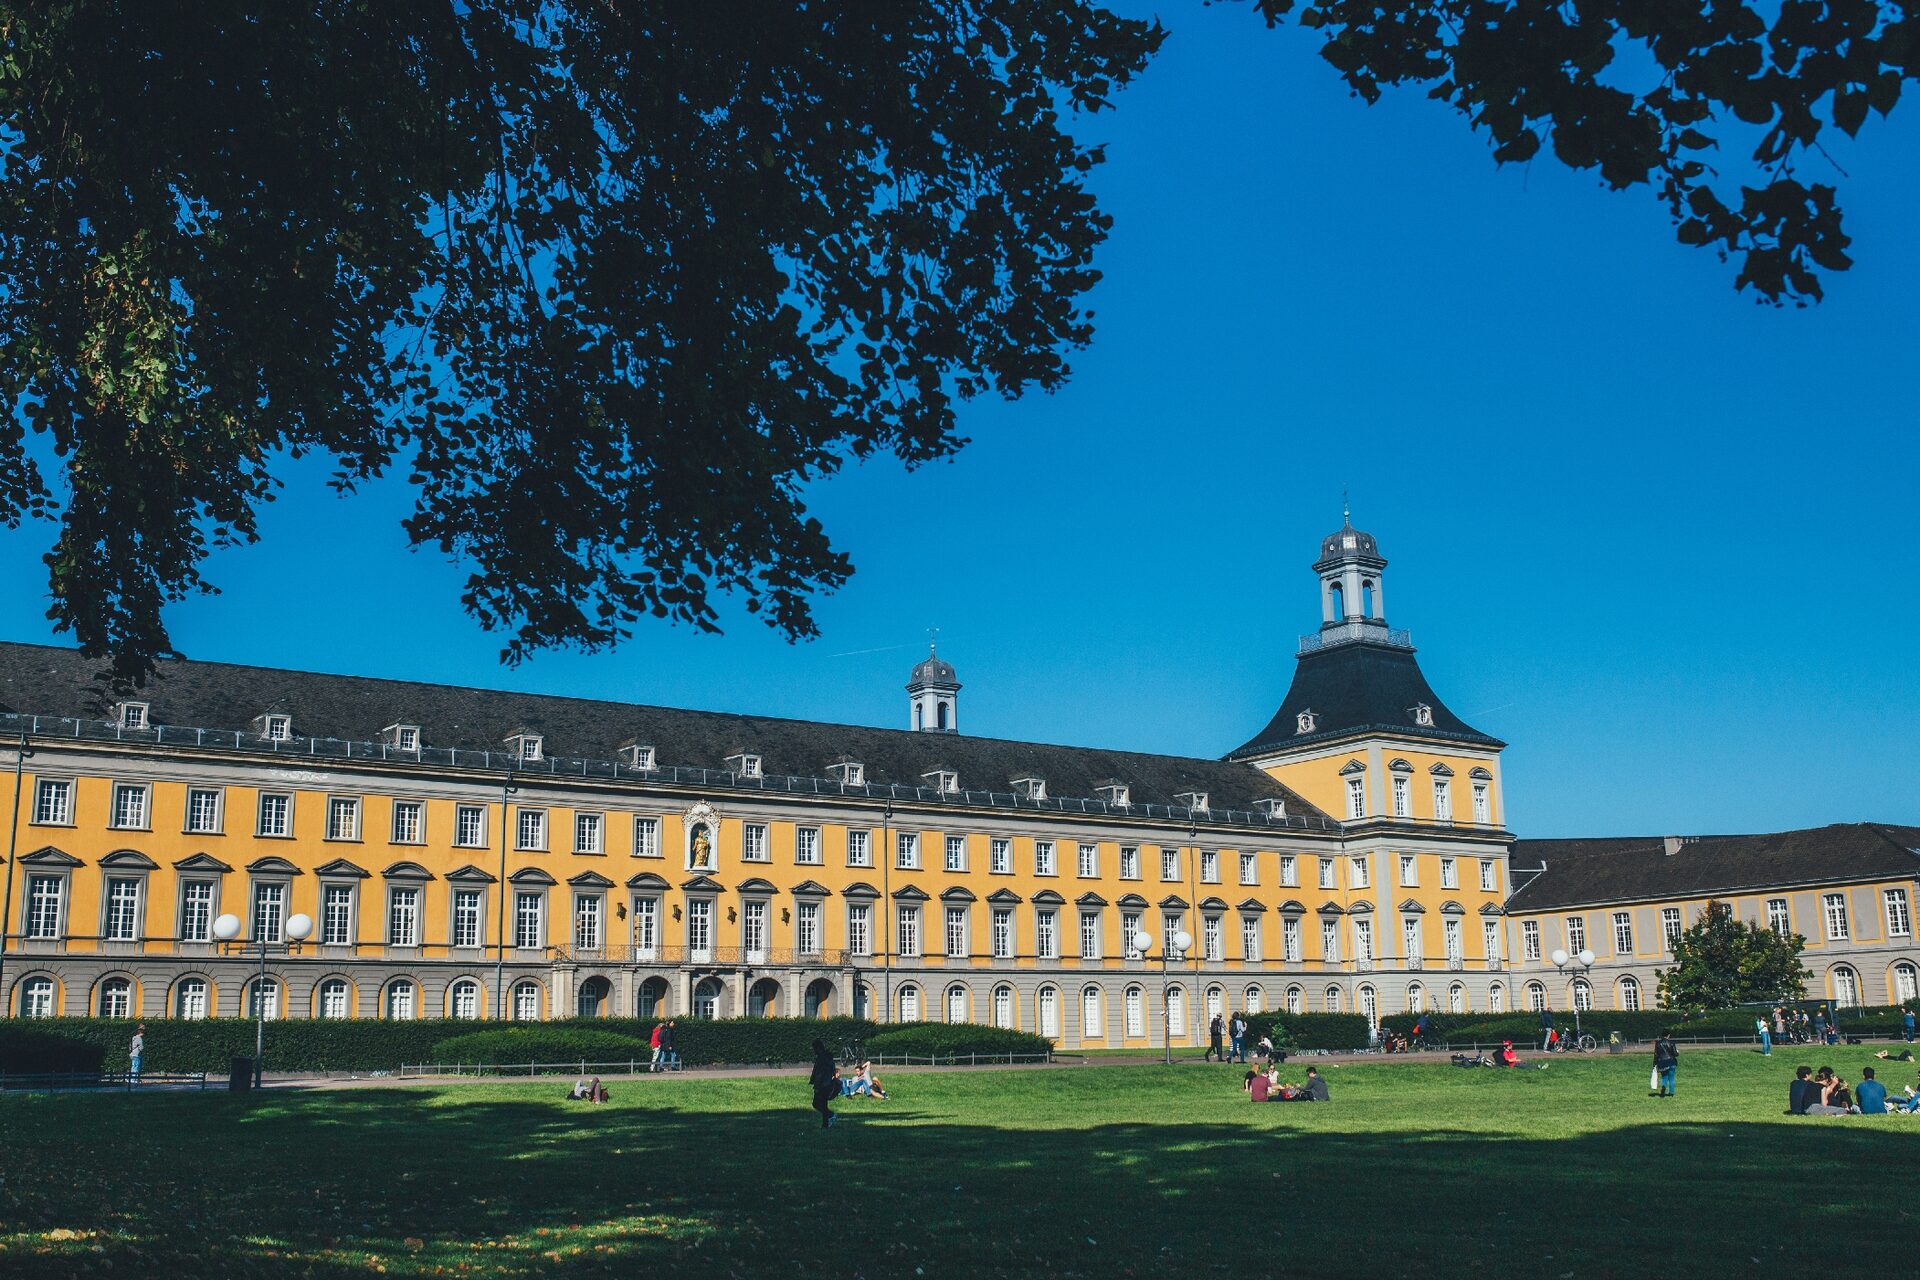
<point x="1582" y="1043"/>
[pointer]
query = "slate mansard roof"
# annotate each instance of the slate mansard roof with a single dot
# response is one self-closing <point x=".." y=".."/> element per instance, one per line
<point x="1586" y="872"/>
<point x="1359" y="687"/>
<point x="48" y="681"/>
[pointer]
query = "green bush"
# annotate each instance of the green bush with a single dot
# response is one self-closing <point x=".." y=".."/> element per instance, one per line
<point x="34" y="1050"/>
<point x="1322" y="1031"/>
<point x="536" y="1042"/>
<point x="948" y="1040"/>
<point x="1637" y="1026"/>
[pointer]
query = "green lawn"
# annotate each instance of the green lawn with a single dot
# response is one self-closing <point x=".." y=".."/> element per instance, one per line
<point x="1076" y="1171"/>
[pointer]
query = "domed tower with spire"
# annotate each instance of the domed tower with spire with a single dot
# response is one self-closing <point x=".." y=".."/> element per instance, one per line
<point x="933" y="694"/>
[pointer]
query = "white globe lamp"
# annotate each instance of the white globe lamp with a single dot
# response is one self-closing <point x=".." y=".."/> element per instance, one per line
<point x="1586" y="959"/>
<point x="1182" y="940"/>
<point x="1141" y="941"/>
<point x="300" y="927"/>
<point x="226" y="927"/>
<point x="1559" y="958"/>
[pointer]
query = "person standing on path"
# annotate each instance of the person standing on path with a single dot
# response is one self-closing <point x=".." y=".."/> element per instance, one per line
<point x="654" y="1040"/>
<point x="136" y="1051"/>
<point x="1666" y="1057"/>
<point x="669" y="1047"/>
<point x="1215" y="1030"/>
<point x="1906" y="1020"/>
<point x="1766" y="1037"/>
<point x="825" y="1083"/>
<point x="1239" y="1033"/>
<point x="1546" y="1030"/>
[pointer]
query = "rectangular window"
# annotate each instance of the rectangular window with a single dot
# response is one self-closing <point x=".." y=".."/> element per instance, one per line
<point x="859" y="848"/>
<point x="1002" y="933"/>
<point x="646" y="925"/>
<point x="1129" y="862"/>
<point x="1289" y="871"/>
<point x="1330" y="941"/>
<point x="1622" y="933"/>
<point x="529" y="921"/>
<point x="123" y="910"/>
<point x="1088" y="865"/>
<point x="1489" y="878"/>
<point x="1362" y="938"/>
<point x="1170" y="924"/>
<point x="1129" y="927"/>
<point x="860" y="929"/>
<point x="1089" y="935"/>
<point x="1449" y="874"/>
<point x="279" y="729"/>
<point x="753" y="929"/>
<point x="1576" y="934"/>
<point x="196" y="911"/>
<point x="409" y="822"/>
<point x="1209" y="867"/>
<point x="1442" y="801"/>
<point x="906" y="920"/>
<point x="403" y="916"/>
<point x="1043" y="864"/>
<point x="1410" y="941"/>
<point x="1490" y="938"/>
<point x="755" y="846"/>
<point x="1777" y="918"/>
<point x="1000" y="857"/>
<point x="1290" y="945"/>
<point x="1835" y="908"/>
<point x="276" y="814"/>
<point x="530" y="829"/>
<point x="590" y="833"/>
<point x="1530" y="939"/>
<point x="1249" y="868"/>
<point x="906" y="851"/>
<point x="1250" y="939"/>
<point x="1356" y="798"/>
<point x="1212" y="943"/>
<point x="1482" y="807"/>
<point x="956" y="853"/>
<point x="1361" y="869"/>
<point x="1899" y="920"/>
<point x="1402" y="797"/>
<point x="1409" y="870"/>
<point x="957" y="943"/>
<point x="586" y="921"/>
<point x="1451" y="936"/>
<point x="700" y="927"/>
<point x="269" y="911"/>
<point x="470" y="826"/>
<point x="336" y="915"/>
<point x="130" y="806"/>
<point x="1046" y="934"/>
<point x="646" y="837"/>
<point x="44" y="895"/>
<point x="53" y="802"/>
<point x="343" y="817"/>
<point x="1169" y="864"/>
<point x="806" y="846"/>
<point x="1327" y="873"/>
<point x="467" y="908"/>
<point x="806" y="928"/>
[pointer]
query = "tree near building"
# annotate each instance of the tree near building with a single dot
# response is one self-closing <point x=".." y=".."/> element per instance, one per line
<point x="1721" y="962"/>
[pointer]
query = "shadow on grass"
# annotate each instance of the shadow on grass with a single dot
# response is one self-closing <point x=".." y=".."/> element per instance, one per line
<point x="413" y="1182"/>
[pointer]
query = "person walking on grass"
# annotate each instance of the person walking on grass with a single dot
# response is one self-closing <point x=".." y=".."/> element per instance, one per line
<point x="1906" y="1021"/>
<point x="1766" y="1037"/>
<point x="1666" y="1057"/>
<point x="1215" y="1030"/>
<point x="1239" y="1033"/>
<point x="825" y="1083"/>
<point x="136" y="1051"/>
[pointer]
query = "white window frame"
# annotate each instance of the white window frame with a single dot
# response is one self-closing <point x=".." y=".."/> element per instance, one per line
<point x="1530" y="939"/>
<point x="197" y="898"/>
<point x="53" y="802"/>
<point x="45" y="916"/>
<point x="806" y="928"/>
<point x="958" y="941"/>
<point x="269" y="803"/>
<point x="123" y="897"/>
<point x="1089" y="935"/>
<point x="1623" y="933"/>
<point x="1778" y="910"/>
<point x="529" y="920"/>
<point x="1002" y="937"/>
<point x="469" y="826"/>
<point x="1898" y="912"/>
<point x="860" y="928"/>
<point x="1672" y="925"/>
<point x="1170" y="865"/>
<point x="589" y="920"/>
<point x="403" y="915"/>
<point x="1489" y="877"/>
<point x="529" y="829"/>
<point x="1250" y="939"/>
<point x="413" y="829"/>
<point x="1442" y="800"/>
<point x="1409" y="871"/>
<point x="646" y="836"/>
<point x="469" y="907"/>
<point x="343" y="818"/>
<point x="859" y="847"/>
<point x="1482" y="804"/>
<point x="806" y="846"/>
<point x="954" y="853"/>
<point x="1360" y="871"/>
<point x="1209" y="866"/>
<point x="906" y="851"/>
<point x="132" y="806"/>
<point x="267" y="911"/>
<point x="1129" y="862"/>
<point x="1289" y="871"/>
<point x="906" y="923"/>
<point x="1833" y="910"/>
<point x="1046" y="933"/>
<point x="1000" y="856"/>
<point x="1249" y="868"/>
<point x="589" y="832"/>
<point x="756" y="842"/>
<point x="1402" y="796"/>
<point x="1356" y="798"/>
<point x="1449" y="873"/>
<point x="1087" y="862"/>
<point x="337" y="908"/>
<point x="1045" y="861"/>
<point x="1576" y="933"/>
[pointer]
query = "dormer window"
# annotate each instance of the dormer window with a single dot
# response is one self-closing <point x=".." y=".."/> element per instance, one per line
<point x="1114" y="792"/>
<point x="405" y="737"/>
<point x="276" y="727"/>
<point x="1273" y="806"/>
<point x="1423" y="715"/>
<point x="848" y="773"/>
<point x="1194" y="800"/>
<point x="1304" y="721"/>
<point x="637" y="755"/>
<point x="1028" y="787"/>
<point x="945" y="781"/>
<point x="747" y="766"/>
<point x="133" y="715"/>
<point x="526" y="746"/>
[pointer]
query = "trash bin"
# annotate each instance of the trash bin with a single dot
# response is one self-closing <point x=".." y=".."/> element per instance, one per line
<point x="240" y="1075"/>
<point x="1613" y="1042"/>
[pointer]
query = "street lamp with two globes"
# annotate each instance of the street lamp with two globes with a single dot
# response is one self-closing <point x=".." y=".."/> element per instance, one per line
<point x="1582" y="964"/>
<point x="225" y="929"/>
<point x="1175" y="950"/>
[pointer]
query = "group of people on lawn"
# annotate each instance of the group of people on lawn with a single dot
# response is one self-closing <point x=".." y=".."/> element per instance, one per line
<point x="1826" y="1093"/>
<point x="1266" y="1086"/>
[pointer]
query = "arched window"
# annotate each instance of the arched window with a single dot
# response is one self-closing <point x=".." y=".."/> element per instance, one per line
<point x="1582" y="995"/>
<point x="650" y="1001"/>
<point x="1496" y="999"/>
<point x="526" y="1002"/>
<point x="1003" y="1006"/>
<point x="463" y="999"/>
<point x="1177" y="1010"/>
<point x="1456" y="999"/>
<point x="1216" y="999"/>
<point x="1536" y="997"/>
<point x="1136" y="1013"/>
<point x="1049" y="1012"/>
<point x="263" y="999"/>
<point x="942" y="713"/>
<point x="1253" y="1000"/>
<point x="1296" y="999"/>
<point x="1630" y="994"/>
<point x="401" y="1000"/>
<point x="1906" y="982"/>
<point x="1337" y="597"/>
<point x="1090" y="1010"/>
<point x="706" y="998"/>
<point x="1335" y="1001"/>
<point x="1416" y="998"/>
<point x="116" y="998"/>
<point x="763" y="999"/>
<point x="190" y="999"/>
<point x="819" y="999"/>
<point x="956" y="1003"/>
<point x="1846" y="986"/>
<point x="1366" y="597"/>
<point x="591" y="1000"/>
<point x="1370" y="1005"/>
<point x="909" y="1003"/>
<point x="36" y="997"/>
<point x="334" y="998"/>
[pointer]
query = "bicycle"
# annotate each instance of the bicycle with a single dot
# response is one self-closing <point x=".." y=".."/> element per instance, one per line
<point x="852" y="1054"/>
<point x="1582" y="1043"/>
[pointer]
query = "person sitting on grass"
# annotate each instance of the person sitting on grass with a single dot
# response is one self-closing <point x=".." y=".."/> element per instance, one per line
<point x="1259" y="1087"/>
<point x="1507" y="1057"/>
<point x="1831" y="1096"/>
<point x="1802" y="1092"/>
<point x="1316" y="1086"/>
<point x="578" y="1092"/>
<point x="596" y="1092"/>
<point x="1871" y="1095"/>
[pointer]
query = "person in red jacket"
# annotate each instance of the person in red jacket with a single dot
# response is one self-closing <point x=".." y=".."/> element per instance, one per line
<point x="654" y="1042"/>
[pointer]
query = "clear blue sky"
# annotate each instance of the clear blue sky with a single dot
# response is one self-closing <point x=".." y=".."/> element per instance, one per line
<point x="1659" y="539"/>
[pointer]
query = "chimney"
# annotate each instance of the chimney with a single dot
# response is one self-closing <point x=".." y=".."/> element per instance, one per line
<point x="1673" y="844"/>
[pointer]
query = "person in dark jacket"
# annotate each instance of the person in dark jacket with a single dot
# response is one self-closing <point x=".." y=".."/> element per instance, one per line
<point x="1666" y="1058"/>
<point x="825" y="1082"/>
<point x="1316" y="1086"/>
<point x="1215" y="1030"/>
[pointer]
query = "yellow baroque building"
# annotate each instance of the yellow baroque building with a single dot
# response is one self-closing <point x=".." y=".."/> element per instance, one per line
<point x="485" y="854"/>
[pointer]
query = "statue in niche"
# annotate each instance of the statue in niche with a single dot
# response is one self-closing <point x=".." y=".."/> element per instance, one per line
<point x="701" y="858"/>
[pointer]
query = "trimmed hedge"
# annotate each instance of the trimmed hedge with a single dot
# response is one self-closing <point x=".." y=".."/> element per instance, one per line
<point x="1324" y="1031"/>
<point x="31" y="1050"/>
<point x="536" y="1043"/>
<point x="954" y="1040"/>
<point x="1636" y="1026"/>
